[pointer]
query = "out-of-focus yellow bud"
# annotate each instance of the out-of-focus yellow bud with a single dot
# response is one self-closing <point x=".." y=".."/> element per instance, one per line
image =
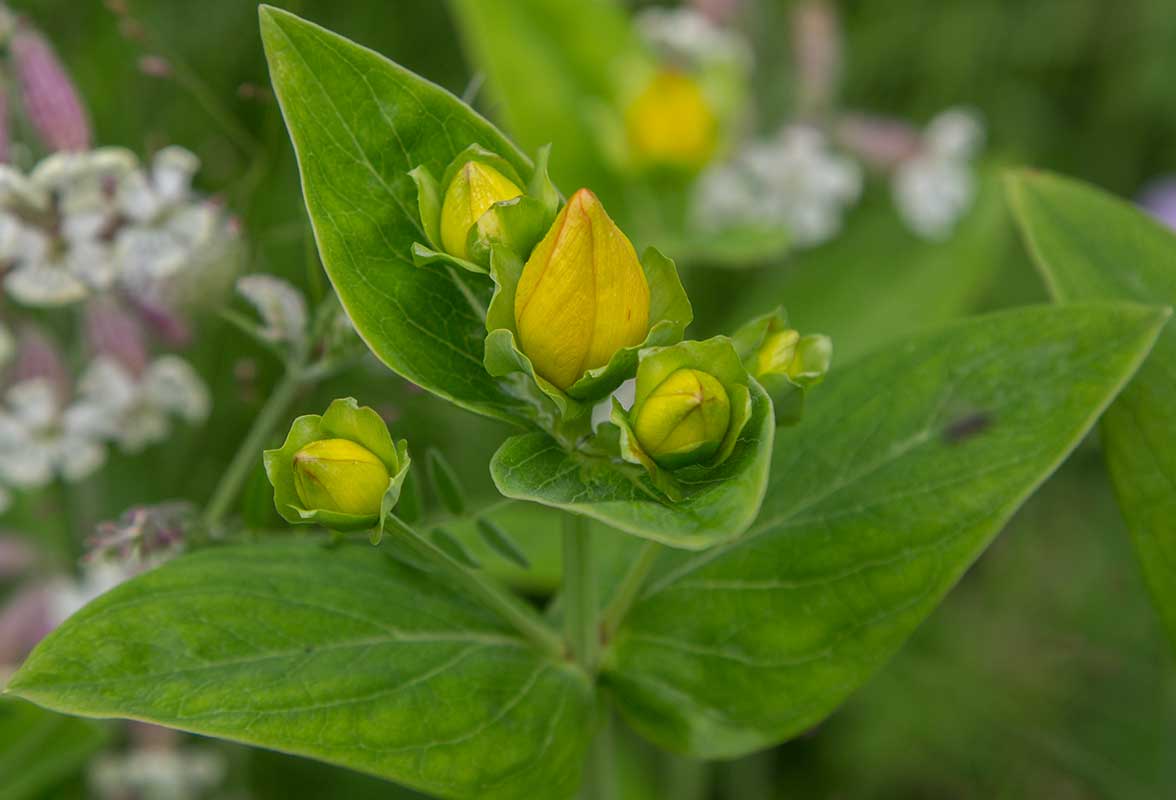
<point x="582" y="295"/>
<point x="340" y="475"/>
<point x="474" y="188"/>
<point x="683" y="420"/>
<point x="777" y="354"/>
<point x="671" y="123"/>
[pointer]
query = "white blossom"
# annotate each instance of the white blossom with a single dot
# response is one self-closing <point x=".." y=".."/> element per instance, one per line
<point x="683" y="33"/>
<point x="136" y="411"/>
<point x="40" y="440"/>
<point x="793" y="180"/>
<point x="68" y="595"/>
<point x="156" y="773"/>
<point x="279" y="304"/>
<point x="935" y="188"/>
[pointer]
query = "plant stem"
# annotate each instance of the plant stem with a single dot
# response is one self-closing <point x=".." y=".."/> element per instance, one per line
<point x="630" y="586"/>
<point x="524" y="619"/>
<point x="600" y="772"/>
<point x="579" y="586"/>
<point x="234" y="477"/>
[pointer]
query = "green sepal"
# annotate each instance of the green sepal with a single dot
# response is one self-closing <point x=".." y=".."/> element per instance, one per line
<point x="669" y="312"/>
<point x="789" y="384"/>
<point x="344" y="419"/>
<point x="717" y="356"/>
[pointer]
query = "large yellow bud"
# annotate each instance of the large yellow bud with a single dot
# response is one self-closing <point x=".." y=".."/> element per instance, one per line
<point x="340" y="475"/>
<point x="671" y="123"/>
<point x="684" y="420"/>
<point x="582" y="295"/>
<point x="470" y="193"/>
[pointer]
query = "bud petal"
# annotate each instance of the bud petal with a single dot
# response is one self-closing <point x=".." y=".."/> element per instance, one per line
<point x="671" y="123"/>
<point x="582" y="295"/>
<point x="684" y="420"/>
<point x="50" y="99"/>
<point x="340" y="475"/>
<point x="474" y="188"/>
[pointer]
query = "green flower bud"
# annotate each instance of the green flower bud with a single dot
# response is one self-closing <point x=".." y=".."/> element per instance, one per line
<point x="340" y="475"/>
<point x="473" y="190"/>
<point x="684" y="420"/>
<point x="785" y="363"/>
<point x="340" y="470"/>
<point x="671" y="123"/>
<point x="582" y="295"/>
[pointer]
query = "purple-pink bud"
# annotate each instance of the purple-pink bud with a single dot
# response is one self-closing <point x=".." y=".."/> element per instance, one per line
<point x="50" y="99"/>
<point x="155" y="66"/>
<point x="5" y="138"/>
<point x="112" y="331"/>
<point x="881" y="142"/>
<point x="816" y="43"/>
<point x="38" y="357"/>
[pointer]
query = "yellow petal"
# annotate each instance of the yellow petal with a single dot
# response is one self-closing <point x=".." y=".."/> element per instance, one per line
<point x="474" y="188"/>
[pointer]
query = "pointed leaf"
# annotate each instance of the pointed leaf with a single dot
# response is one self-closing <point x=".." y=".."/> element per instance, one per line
<point x="1089" y="245"/>
<point x="878" y="503"/>
<point x="501" y="542"/>
<point x="446" y="485"/>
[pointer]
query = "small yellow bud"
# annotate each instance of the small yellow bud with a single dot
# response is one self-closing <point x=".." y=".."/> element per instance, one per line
<point x="339" y="475"/>
<point x="684" y="420"/>
<point x="777" y="353"/>
<point x="474" y="188"/>
<point x="582" y="295"/>
<point x="671" y="122"/>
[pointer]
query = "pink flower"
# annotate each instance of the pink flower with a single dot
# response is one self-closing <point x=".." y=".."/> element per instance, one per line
<point x="49" y="96"/>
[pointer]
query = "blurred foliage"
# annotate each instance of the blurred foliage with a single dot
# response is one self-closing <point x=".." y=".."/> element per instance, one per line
<point x="1045" y="673"/>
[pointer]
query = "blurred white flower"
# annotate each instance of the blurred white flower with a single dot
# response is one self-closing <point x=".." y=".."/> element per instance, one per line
<point x="684" y="34"/>
<point x="158" y="773"/>
<point x="39" y="439"/>
<point x="934" y="188"/>
<point x="136" y="411"/>
<point x="68" y="595"/>
<point x="82" y="222"/>
<point x="279" y="304"/>
<point x="793" y="180"/>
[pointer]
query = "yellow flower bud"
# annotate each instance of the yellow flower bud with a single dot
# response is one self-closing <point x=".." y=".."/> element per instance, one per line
<point x="777" y="353"/>
<point x="474" y="188"/>
<point x="684" y="420"/>
<point x="582" y="295"/>
<point x="339" y="475"/>
<point x="671" y="122"/>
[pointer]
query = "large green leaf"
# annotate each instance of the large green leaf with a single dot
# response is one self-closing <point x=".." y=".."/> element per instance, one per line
<point x="715" y="508"/>
<point x="359" y="123"/>
<point x="896" y="481"/>
<point x="39" y="749"/>
<point x="343" y="655"/>
<point x="1090" y="245"/>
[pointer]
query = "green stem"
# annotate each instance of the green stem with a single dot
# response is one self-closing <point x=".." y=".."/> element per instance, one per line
<point x="600" y="772"/>
<point x="579" y="589"/>
<point x="524" y="619"/>
<point x="630" y="586"/>
<point x="233" y="479"/>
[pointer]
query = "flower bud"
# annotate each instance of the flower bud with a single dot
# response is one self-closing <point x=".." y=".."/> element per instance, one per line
<point x="340" y="475"/>
<point x="50" y="98"/>
<point x="671" y="123"/>
<point x="778" y="352"/>
<point x="474" y="188"/>
<point x="684" y="420"/>
<point x="582" y="295"/>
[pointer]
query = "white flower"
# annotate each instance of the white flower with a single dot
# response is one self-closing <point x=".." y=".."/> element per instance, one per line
<point x="683" y="33"/>
<point x="793" y="180"/>
<point x="280" y="306"/>
<point x="39" y="439"/>
<point x="155" y="772"/>
<point x="136" y="411"/>
<point x="68" y="595"/>
<point x="936" y="187"/>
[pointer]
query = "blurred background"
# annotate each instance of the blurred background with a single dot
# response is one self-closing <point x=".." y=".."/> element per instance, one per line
<point x="1044" y="674"/>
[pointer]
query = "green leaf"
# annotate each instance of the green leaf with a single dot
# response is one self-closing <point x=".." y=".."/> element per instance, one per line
<point x="501" y="542"/>
<point x="360" y="124"/>
<point x="341" y="654"/>
<point x="39" y="749"/>
<point x="1090" y="245"/>
<point x="446" y="485"/>
<point x="716" y="507"/>
<point x="877" y="505"/>
<point x="454" y="548"/>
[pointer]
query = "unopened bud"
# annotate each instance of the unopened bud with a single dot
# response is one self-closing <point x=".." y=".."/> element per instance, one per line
<point x="671" y="123"/>
<point x="50" y="99"/>
<point x="582" y="295"/>
<point x="474" y="188"/>
<point x="684" y="420"/>
<point x="340" y="475"/>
